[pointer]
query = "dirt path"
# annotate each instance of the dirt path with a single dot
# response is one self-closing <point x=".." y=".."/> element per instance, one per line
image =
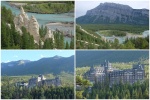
<point x="88" y="42"/>
<point x="87" y="32"/>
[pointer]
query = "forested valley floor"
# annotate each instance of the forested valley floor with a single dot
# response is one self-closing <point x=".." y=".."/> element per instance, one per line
<point x="87" y="38"/>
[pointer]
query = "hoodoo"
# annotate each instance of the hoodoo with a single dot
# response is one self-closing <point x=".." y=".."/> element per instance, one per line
<point x="31" y="25"/>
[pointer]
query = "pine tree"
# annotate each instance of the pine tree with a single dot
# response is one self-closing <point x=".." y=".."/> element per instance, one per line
<point x="67" y="45"/>
<point x="61" y="41"/>
<point x="96" y="96"/>
<point x="146" y="94"/>
<point x="40" y="44"/>
<point x="116" y="44"/>
<point x="4" y="40"/>
<point x="129" y="45"/>
<point x="116" y="97"/>
<point x="72" y="44"/>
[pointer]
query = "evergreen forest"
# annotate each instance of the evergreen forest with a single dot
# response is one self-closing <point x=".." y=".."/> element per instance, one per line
<point x="9" y="90"/>
<point x="117" y="91"/>
<point x="42" y="92"/>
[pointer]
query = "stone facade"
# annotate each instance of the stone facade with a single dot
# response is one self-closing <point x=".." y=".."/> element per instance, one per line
<point x="114" y="76"/>
<point x="22" y="84"/>
<point x="41" y="80"/>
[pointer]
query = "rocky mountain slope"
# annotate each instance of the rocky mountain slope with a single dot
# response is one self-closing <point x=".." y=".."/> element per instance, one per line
<point x="115" y="13"/>
<point x="53" y="65"/>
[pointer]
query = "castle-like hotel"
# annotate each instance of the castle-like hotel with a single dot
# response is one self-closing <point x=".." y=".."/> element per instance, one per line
<point x="39" y="81"/>
<point x="114" y="76"/>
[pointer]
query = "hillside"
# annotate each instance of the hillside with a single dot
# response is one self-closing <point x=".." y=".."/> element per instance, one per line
<point x="53" y="65"/>
<point x="86" y="39"/>
<point x="90" y="58"/>
<point x="45" y="7"/>
<point x="112" y="13"/>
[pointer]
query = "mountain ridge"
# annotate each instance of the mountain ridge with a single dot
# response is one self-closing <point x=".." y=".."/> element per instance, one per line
<point x="90" y="58"/>
<point x="41" y="66"/>
<point x="107" y="13"/>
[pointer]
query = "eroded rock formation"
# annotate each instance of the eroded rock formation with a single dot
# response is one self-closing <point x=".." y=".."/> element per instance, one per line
<point x="49" y="34"/>
<point x="31" y="26"/>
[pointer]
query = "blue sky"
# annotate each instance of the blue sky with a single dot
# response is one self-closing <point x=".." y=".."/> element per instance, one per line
<point x="14" y="55"/>
<point x="83" y="6"/>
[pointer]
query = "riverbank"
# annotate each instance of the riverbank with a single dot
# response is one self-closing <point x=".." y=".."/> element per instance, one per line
<point x="66" y="28"/>
<point x="65" y="24"/>
<point x="110" y="33"/>
<point x="45" y="7"/>
<point x="122" y="38"/>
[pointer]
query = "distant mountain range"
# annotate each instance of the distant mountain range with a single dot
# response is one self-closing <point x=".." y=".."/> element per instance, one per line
<point x="53" y="65"/>
<point x="90" y="58"/>
<point x="112" y="13"/>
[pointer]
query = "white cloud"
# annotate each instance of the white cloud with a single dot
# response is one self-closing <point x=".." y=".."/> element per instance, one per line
<point x="15" y="56"/>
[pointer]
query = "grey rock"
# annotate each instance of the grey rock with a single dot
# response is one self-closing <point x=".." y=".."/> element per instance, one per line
<point x="115" y="13"/>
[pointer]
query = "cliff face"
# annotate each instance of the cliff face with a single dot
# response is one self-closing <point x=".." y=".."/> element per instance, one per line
<point x="31" y="26"/>
<point x="115" y="13"/>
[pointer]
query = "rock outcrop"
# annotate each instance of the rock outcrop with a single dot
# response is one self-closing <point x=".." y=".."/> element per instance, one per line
<point x="115" y="13"/>
<point x="21" y="20"/>
<point x="33" y="29"/>
<point x="49" y="34"/>
<point x="31" y="26"/>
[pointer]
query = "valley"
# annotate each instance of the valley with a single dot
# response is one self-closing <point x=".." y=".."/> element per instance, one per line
<point x="115" y="36"/>
<point x="110" y="32"/>
<point x="61" y="24"/>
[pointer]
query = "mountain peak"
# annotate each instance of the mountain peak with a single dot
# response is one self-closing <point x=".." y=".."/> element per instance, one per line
<point x="55" y="65"/>
<point x="57" y="57"/>
<point x="21" y="62"/>
<point x="112" y="13"/>
<point x="117" y="5"/>
<point x="107" y="7"/>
